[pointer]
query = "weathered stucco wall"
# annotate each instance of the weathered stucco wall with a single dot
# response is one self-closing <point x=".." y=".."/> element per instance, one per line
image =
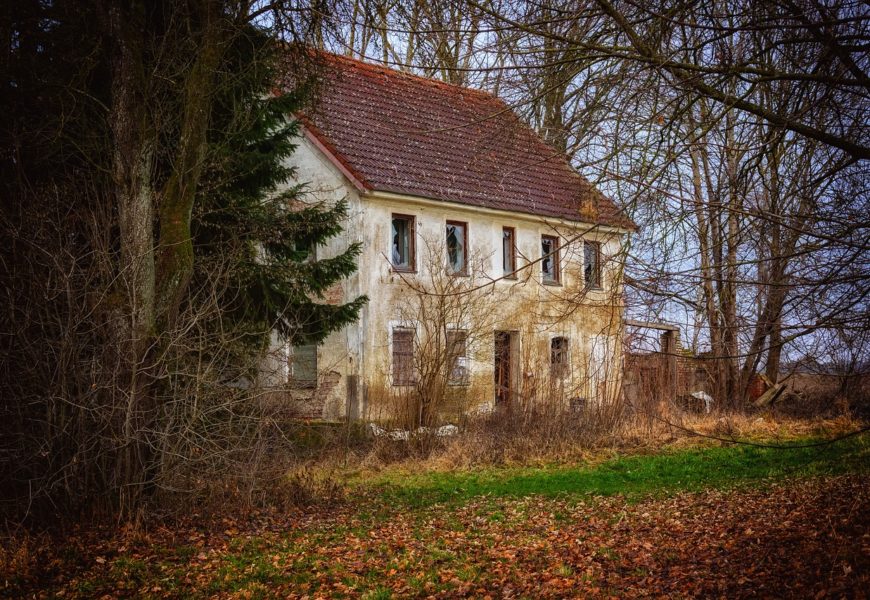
<point x="357" y="360"/>
<point x="536" y="312"/>
<point x="338" y="357"/>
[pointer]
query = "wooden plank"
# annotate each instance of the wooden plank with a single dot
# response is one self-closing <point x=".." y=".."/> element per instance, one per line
<point x="651" y="325"/>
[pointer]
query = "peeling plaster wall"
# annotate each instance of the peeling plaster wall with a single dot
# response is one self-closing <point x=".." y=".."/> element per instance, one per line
<point x="339" y="355"/>
<point x="538" y="312"/>
<point x="591" y="321"/>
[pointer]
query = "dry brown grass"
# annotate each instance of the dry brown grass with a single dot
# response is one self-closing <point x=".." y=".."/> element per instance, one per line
<point x="21" y="553"/>
<point x="767" y="427"/>
<point x="569" y="438"/>
<point x="334" y="453"/>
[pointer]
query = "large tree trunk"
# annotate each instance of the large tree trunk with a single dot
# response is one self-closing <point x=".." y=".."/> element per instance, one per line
<point x="132" y="176"/>
<point x="153" y="274"/>
<point x="175" y="247"/>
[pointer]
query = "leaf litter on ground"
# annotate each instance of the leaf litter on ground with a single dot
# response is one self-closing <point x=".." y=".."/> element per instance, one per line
<point x="805" y="536"/>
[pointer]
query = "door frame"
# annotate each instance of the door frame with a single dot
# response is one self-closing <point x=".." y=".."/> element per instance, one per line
<point x="505" y="395"/>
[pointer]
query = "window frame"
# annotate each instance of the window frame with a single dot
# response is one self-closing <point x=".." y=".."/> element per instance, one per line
<point x="560" y="369"/>
<point x="513" y="252"/>
<point x="459" y="360"/>
<point x="464" y="224"/>
<point x="310" y="252"/>
<point x="397" y="378"/>
<point x="596" y="283"/>
<point x="412" y="243"/>
<point x="555" y="257"/>
<point x="308" y="383"/>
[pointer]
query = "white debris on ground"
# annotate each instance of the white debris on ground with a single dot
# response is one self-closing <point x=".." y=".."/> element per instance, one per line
<point x="706" y="398"/>
<point x="405" y="435"/>
<point x="481" y="410"/>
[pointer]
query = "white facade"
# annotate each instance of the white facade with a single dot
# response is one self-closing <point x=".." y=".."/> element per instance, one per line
<point x="355" y="364"/>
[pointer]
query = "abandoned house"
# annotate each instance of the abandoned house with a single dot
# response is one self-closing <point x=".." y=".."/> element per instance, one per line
<point x="486" y="257"/>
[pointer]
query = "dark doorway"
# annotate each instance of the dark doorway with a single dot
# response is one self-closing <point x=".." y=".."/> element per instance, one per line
<point x="504" y="367"/>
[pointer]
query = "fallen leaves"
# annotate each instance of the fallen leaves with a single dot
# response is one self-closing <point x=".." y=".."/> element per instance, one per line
<point x="801" y="539"/>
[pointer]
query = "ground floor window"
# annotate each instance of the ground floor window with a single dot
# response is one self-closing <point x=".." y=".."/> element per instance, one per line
<point x="559" y="359"/>
<point x="303" y="366"/>
<point x="403" y="356"/>
<point x="457" y="356"/>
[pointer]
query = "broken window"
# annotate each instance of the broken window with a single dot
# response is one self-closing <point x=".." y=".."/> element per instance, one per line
<point x="303" y="366"/>
<point x="559" y="357"/>
<point x="306" y="250"/>
<point x="457" y="243"/>
<point x="550" y="258"/>
<point x="508" y="252"/>
<point x="592" y="264"/>
<point x="457" y="359"/>
<point x="403" y="356"/>
<point x="402" y="247"/>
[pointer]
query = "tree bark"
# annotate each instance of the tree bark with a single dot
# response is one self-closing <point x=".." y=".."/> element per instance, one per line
<point x="175" y="246"/>
<point x="132" y="176"/>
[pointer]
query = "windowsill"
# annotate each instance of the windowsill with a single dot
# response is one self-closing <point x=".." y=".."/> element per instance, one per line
<point x="406" y="271"/>
<point x="459" y="274"/>
<point x="593" y="288"/>
<point x="303" y="385"/>
<point x="511" y="277"/>
<point x="553" y="283"/>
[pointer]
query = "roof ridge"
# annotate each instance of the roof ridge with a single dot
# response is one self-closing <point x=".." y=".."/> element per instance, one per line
<point x="371" y="66"/>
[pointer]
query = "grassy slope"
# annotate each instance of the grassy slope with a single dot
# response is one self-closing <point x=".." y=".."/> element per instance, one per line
<point x="634" y="476"/>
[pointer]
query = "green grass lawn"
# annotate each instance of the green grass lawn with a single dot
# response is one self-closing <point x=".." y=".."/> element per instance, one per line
<point x="633" y="476"/>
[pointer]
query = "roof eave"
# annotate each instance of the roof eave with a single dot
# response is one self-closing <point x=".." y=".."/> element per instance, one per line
<point x="403" y="195"/>
<point x="319" y="140"/>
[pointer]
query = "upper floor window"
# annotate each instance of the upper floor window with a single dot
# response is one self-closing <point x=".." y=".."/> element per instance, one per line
<point x="402" y="246"/>
<point x="457" y="356"/>
<point x="592" y="264"/>
<point x="550" y="259"/>
<point x="559" y="357"/>
<point x="457" y="247"/>
<point x="508" y="252"/>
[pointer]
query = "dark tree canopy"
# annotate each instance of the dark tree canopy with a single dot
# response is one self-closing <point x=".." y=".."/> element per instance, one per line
<point x="153" y="240"/>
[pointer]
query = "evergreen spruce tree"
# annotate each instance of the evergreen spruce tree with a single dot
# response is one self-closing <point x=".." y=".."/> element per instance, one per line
<point x="254" y="228"/>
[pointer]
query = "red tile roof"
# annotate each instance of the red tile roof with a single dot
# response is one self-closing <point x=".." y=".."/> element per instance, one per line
<point x="396" y="132"/>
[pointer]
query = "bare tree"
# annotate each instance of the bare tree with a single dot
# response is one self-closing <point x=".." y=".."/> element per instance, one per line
<point x="728" y="131"/>
<point x="450" y="320"/>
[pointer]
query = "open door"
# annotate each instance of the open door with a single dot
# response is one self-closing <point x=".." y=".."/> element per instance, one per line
<point x="504" y="367"/>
